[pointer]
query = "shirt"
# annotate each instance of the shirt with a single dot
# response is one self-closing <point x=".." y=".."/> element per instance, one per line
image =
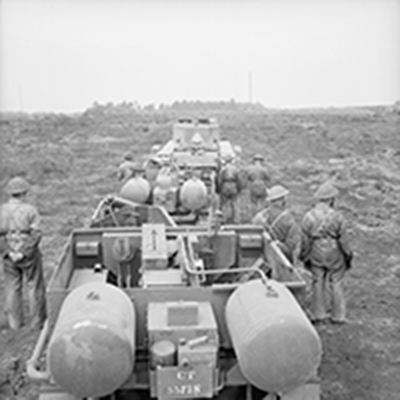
<point x="126" y="170"/>
<point x="325" y="238"/>
<point x="281" y="225"/>
<point x="20" y="222"/>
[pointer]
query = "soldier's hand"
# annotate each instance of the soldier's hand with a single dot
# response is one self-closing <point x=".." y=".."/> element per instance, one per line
<point x="16" y="256"/>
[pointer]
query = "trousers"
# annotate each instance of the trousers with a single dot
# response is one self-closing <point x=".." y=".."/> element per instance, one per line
<point x="327" y="294"/>
<point x="14" y="273"/>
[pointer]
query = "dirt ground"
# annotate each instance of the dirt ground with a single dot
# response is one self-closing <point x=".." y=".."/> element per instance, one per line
<point x="71" y="162"/>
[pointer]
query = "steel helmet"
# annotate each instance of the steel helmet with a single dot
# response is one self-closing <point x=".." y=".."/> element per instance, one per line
<point x="128" y="156"/>
<point x="276" y="192"/>
<point x="17" y="185"/>
<point x="237" y="149"/>
<point x="155" y="160"/>
<point x="326" y="191"/>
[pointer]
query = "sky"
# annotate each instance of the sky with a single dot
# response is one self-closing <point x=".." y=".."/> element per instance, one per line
<point x="63" y="55"/>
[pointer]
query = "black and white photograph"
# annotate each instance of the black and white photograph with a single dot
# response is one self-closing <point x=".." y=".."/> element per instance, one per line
<point x="199" y="199"/>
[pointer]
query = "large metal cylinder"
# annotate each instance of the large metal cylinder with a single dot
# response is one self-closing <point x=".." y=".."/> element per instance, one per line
<point x="193" y="194"/>
<point x="91" y="352"/>
<point x="136" y="189"/>
<point x="277" y="347"/>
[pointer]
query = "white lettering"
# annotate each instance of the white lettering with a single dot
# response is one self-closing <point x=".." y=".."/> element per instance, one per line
<point x="186" y="375"/>
<point x="184" y="390"/>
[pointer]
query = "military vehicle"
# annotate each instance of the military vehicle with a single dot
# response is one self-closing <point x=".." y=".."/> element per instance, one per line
<point x="182" y="175"/>
<point x="149" y="309"/>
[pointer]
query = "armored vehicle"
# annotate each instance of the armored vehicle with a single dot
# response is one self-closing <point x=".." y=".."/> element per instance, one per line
<point x="182" y="175"/>
<point x="150" y="309"/>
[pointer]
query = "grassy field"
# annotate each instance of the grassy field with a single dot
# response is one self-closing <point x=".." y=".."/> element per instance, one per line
<point x="71" y="163"/>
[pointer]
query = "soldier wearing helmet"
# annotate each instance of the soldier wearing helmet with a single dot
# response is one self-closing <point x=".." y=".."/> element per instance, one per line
<point x="279" y="222"/>
<point x="21" y="256"/>
<point x="258" y="180"/>
<point x="127" y="168"/>
<point x="326" y="252"/>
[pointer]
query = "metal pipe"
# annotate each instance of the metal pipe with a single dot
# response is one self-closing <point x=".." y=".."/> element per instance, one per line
<point x="31" y="365"/>
<point x="192" y="271"/>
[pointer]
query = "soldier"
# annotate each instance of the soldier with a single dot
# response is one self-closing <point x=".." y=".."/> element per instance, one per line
<point x="127" y="169"/>
<point x="21" y="255"/>
<point x="258" y="181"/>
<point x="229" y="186"/>
<point x="325" y="251"/>
<point x="278" y="221"/>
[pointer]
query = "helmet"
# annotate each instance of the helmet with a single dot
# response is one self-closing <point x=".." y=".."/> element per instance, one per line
<point x="326" y="191"/>
<point x="155" y="148"/>
<point x="258" y="157"/>
<point x="276" y="193"/>
<point x="17" y="185"/>
<point x="229" y="157"/>
<point x="128" y="156"/>
<point x="237" y="149"/>
<point x="155" y="160"/>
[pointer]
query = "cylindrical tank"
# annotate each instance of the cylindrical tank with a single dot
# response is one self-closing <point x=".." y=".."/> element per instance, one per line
<point x="193" y="194"/>
<point x="277" y="347"/>
<point x="136" y="189"/>
<point x="91" y="352"/>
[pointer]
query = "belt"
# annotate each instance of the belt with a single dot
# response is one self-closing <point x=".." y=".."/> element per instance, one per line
<point x="23" y="231"/>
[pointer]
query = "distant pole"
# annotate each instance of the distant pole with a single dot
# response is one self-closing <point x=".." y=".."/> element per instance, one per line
<point x="250" y="87"/>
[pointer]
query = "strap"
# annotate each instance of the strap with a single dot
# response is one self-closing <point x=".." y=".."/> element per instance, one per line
<point x="274" y="222"/>
<point x="322" y="228"/>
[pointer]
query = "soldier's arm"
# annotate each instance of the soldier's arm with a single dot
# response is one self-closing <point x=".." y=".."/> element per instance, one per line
<point x="293" y="236"/>
<point x="305" y="240"/>
<point x="343" y="235"/>
<point x="266" y="178"/>
<point x="34" y="234"/>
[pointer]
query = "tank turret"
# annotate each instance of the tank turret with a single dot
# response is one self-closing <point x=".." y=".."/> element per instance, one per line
<point x="136" y="189"/>
<point x="193" y="194"/>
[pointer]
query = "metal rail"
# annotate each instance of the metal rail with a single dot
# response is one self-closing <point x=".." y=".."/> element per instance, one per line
<point x="32" y="364"/>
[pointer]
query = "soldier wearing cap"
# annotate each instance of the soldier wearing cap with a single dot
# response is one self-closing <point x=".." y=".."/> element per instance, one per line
<point x="21" y="256"/>
<point x="279" y="222"/>
<point x="258" y="180"/>
<point x="326" y="252"/>
<point x="152" y="167"/>
<point x="229" y="187"/>
<point x="127" y="169"/>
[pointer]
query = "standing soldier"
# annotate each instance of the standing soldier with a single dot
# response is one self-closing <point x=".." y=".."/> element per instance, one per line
<point x="21" y="255"/>
<point x="229" y="187"/>
<point x="325" y="251"/>
<point x="258" y="181"/>
<point x="279" y="222"/>
<point x="127" y="169"/>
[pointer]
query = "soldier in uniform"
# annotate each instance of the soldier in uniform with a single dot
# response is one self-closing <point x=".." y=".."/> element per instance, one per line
<point x="229" y="186"/>
<point x="21" y="256"/>
<point x="258" y="181"/>
<point x="127" y="169"/>
<point x="326" y="252"/>
<point x="279" y="222"/>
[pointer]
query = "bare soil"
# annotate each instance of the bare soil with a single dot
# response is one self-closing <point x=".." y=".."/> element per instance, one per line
<point x="71" y="162"/>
